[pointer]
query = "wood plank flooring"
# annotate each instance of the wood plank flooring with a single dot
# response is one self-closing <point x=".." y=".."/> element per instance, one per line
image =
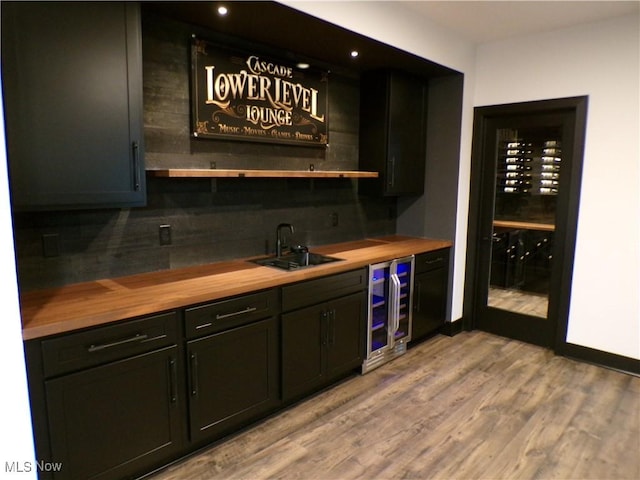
<point x="474" y="406"/>
<point x="528" y="303"/>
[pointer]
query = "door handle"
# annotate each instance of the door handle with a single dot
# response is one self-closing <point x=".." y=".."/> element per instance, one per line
<point x="332" y="327"/>
<point x="324" y="329"/>
<point x="194" y="374"/>
<point x="136" y="166"/>
<point x="173" y="381"/>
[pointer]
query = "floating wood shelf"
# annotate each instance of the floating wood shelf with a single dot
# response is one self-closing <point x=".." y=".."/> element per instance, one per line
<point x="226" y="173"/>
<point x="546" y="227"/>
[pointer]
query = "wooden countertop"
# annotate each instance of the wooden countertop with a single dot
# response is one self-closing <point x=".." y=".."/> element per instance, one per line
<point x="72" y="307"/>
<point x="229" y="173"/>
<point x="545" y="227"/>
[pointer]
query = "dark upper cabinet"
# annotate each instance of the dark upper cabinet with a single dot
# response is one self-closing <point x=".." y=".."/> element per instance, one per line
<point x="393" y="133"/>
<point x="72" y="86"/>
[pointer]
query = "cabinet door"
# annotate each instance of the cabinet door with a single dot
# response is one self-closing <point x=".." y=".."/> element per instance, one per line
<point x="73" y="93"/>
<point x="116" y="420"/>
<point x="304" y="336"/>
<point x="392" y="133"/>
<point x="429" y="301"/>
<point x="345" y="334"/>
<point x="233" y="377"/>
<point x="406" y="149"/>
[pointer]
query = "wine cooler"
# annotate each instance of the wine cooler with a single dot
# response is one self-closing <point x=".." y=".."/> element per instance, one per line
<point x="390" y="309"/>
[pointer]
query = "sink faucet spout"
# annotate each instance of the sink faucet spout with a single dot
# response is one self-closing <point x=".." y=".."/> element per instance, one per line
<point x="279" y="237"/>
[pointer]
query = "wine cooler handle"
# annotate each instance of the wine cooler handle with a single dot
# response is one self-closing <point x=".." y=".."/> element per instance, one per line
<point x="398" y="290"/>
<point x="395" y="304"/>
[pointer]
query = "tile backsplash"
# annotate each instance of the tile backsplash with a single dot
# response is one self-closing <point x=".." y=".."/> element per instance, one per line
<point x="209" y="219"/>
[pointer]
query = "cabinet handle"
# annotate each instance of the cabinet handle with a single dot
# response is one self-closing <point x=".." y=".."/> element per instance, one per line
<point x="392" y="172"/>
<point x="435" y="260"/>
<point x="173" y="380"/>
<point x="137" y="338"/>
<point x="136" y="165"/>
<point x="239" y="312"/>
<point x="194" y="374"/>
<point x="417" y="297"/>
<point x="332" y="327"/>
<point x="324" y="333"/>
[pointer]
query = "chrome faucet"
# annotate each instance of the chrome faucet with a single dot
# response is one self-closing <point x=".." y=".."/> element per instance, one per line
<point x="279" y="239"/>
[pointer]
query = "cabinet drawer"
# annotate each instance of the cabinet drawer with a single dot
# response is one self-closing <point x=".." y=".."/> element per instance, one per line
<point x="106" y="344"/>
<point x="426" y="262"/>
<point x="319" y="290"/>
<point x="215" y="317"/>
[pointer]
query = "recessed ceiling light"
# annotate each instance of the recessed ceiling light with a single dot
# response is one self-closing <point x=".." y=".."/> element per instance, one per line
<point x="222" y="10"/>
<point x="302" y="65"/>
<point x="354" y="53"/>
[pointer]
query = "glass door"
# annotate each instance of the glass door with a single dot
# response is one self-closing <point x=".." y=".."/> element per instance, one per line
<point x="522" y="180"/>
<point x="379" y="307"/>
<point x="523" y="216"/>
<point x="403" y="298"/>
<point x="528" y="178"/>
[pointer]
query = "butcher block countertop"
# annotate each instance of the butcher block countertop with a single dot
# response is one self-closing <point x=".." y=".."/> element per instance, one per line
<point x="72" y="307"/>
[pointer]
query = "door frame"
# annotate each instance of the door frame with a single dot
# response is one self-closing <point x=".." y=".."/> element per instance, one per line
<point x="567" y="209"/>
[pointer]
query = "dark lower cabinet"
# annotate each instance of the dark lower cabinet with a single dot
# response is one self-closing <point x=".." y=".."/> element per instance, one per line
<point x="303" y="350"/>
<point x="430" y="292"/>
<point x="118" y="401"/>
<point x="108" y="402"/>
<point x="345" y="333"/>
<point x="234" y="377"/>
<point x="321" y="343"/>
<point x="115" y="420"/>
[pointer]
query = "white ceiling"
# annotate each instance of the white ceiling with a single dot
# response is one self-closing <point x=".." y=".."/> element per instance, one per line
<point x="484" y="21"/>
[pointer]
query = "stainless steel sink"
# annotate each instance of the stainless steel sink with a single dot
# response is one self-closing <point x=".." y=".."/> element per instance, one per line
<point x="295" y="261"/>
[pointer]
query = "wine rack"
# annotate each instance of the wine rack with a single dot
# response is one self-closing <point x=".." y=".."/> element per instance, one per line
<point x="529" y="167"/>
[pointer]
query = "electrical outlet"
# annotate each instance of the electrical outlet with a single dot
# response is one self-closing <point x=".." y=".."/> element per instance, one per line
<point x="334" y="219"/>
<point x="165" y="234"/>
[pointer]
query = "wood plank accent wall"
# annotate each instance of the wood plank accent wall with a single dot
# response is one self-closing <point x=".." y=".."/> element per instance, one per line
<point x="211" y="219"/>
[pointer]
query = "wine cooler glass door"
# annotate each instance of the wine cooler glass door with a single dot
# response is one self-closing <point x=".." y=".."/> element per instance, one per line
<point x="404" y="303"/>
<point x="379" y="322"/>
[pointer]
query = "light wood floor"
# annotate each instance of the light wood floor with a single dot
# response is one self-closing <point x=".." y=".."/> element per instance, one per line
<point x="518" y="301"/>
<point x="474" y="406"/>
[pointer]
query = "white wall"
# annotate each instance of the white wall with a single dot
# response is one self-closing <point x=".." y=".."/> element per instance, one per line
<point x="16" y="444"/>
<point x="601" y="60"/>
<point x="394" y="25"/>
